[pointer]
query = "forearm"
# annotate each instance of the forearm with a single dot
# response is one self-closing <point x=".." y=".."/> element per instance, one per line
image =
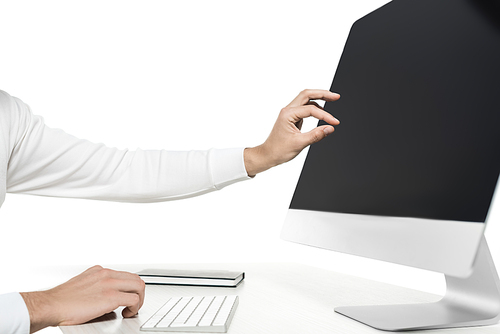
<point x="40" y="310"/>
<point x="50" y="162"/>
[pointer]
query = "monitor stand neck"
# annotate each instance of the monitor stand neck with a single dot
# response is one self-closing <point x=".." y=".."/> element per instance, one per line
<point x="470" y="301"/>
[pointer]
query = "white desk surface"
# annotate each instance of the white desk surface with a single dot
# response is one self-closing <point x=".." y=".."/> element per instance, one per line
<point x="274" y="298"/>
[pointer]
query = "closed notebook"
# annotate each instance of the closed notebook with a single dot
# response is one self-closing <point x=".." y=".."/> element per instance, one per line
<point x="223" y="278"/>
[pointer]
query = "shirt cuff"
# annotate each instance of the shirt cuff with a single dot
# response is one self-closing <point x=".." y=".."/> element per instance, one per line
<point x="14" y="315"/>
<point x="227" y="166"/>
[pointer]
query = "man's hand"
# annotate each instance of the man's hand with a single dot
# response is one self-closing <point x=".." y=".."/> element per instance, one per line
<point x="93" y="293"/>
<point x="286" y="141"/>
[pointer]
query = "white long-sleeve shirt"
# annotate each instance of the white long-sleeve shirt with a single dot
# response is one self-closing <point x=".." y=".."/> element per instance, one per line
<point x="38" y="160"/>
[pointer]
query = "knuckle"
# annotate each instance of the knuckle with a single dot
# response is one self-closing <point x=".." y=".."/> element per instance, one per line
<point x="312" y="110"/>
<point x="316" y="137"/>
<point x="108" y="282"/>
<point x="142" y="284"/>
<point x="139" y="285"/>
<point x="136" y="299"/>
<point x="284" y="110"/>
<point x="139" y="281"/>
<point x="305" y="92"/>
<point x="105" y="272"/>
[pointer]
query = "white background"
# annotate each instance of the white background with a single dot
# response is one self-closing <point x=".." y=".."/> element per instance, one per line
<point x="175" y="75"/>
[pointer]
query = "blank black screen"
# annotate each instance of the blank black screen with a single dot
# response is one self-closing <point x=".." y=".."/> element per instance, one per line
<point x="420" y="115"/>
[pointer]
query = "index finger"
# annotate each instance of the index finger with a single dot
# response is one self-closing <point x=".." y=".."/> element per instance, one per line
<point x="310" y="110"/>
<point x="313" y="94"/>
<point x="133" y="280"/>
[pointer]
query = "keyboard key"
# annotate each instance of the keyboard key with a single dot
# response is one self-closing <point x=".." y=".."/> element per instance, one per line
<point x="186" y="313"/>
<point x="200" y="311"/>
<point x="161" y="312"/>
<point x="193" y="314"/>
<point x="224" y="311"/>
<point x="209" y="316"/>
<point x="170" y="316"/>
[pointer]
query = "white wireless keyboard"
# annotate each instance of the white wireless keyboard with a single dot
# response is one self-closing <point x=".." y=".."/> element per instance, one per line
<point x="193" y="314"/>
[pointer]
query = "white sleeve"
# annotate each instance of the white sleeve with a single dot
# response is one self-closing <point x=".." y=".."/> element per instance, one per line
<point x="14" y="316"/>
<point x="50" y="162"/>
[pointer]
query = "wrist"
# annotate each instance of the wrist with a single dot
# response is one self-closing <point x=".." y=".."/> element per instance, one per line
<point x="257" y="160"/>
<point x="39" y="310"/>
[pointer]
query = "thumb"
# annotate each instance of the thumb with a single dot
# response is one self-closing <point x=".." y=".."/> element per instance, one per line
<point x="127" y="313"/>
<point x="317" y="134"/>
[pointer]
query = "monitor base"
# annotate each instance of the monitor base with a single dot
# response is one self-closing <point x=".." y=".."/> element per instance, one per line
<point x="470" y="301"/>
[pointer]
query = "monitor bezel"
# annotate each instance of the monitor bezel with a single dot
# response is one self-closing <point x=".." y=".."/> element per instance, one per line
<point x="447" y="247"/>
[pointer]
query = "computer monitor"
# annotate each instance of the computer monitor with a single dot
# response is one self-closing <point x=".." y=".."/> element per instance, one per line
<point x="410" y="173"/>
